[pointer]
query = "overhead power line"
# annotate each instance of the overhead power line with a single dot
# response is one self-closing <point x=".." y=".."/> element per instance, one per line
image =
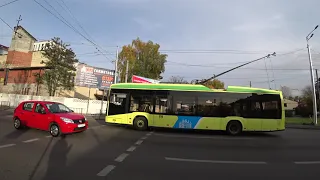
<point x="6" y="23"/>
<point x="72" y="27"/>
<point x="215" y="76"/>
<point x="66" y="8"/>
<point x="5" y="4"/>
<point x="215" y="64"/>
<point x="221" y="51"/>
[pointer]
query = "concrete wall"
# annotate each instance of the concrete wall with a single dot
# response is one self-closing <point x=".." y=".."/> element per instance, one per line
<point x="78" y="105"/>
<point x="37" y="58"/>
<point x="31" y="89"/>
<point x="23" y="89"/>
<point x="21" y="41"/>
<point x="3" y="59"/>
<point x="290" y="104"/>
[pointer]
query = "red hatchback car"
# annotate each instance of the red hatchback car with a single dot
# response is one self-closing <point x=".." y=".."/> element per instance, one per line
<point x="54" y="117"/>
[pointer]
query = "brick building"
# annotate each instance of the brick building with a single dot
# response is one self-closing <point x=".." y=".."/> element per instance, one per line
<point x="22" y="63"/>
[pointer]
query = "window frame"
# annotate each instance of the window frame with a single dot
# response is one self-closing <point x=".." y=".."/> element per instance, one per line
<point x="24" y="105"/>
<point x="42" y="107"/>
<point x="134" y="92"/>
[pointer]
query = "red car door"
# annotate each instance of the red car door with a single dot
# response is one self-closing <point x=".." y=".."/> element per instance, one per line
<point x="25" y="114"/>
<point x="41" y="117"/>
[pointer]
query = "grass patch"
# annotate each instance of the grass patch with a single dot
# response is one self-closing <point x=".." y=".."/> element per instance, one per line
<point x="299" y="120"/>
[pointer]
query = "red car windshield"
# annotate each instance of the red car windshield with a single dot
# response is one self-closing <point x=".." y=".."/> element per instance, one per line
<point x="58" y="108"/>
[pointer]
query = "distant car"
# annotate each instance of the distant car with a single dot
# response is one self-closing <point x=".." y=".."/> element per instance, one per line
<point x="54" y="117"/>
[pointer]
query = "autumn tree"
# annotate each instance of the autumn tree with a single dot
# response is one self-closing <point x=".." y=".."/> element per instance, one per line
<point x="177" y="80"/>
<point x="144" y="59"/>
<point x="60" y="66"/>
<point x="215" y="84"/>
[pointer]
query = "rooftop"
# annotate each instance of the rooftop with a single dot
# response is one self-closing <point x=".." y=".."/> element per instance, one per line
<point x="3" y="47"/>
<point x="20" y="27"/>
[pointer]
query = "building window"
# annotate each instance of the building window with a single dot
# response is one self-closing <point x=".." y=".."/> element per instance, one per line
<point x="285" y="104"/>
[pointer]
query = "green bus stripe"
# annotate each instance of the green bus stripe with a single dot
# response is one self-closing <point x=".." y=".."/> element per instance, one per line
<point x="191" y="87"/>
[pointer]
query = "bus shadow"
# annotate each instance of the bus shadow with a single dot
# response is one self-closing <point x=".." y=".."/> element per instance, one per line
<point x="194" y="131"/>
<point x="197" y="132"/>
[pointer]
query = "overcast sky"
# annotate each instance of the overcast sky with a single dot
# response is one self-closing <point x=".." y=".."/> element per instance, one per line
<point x="252" y="28"/>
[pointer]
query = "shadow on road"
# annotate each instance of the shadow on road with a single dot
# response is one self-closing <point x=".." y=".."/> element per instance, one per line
<point x="211" y="132"/>
<point x="57" y="163"/>
<point x="16" y="133"/>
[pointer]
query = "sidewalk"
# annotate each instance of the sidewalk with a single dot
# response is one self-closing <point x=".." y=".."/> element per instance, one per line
<point x="300" y="126"/>
<point x="6" y="112"/>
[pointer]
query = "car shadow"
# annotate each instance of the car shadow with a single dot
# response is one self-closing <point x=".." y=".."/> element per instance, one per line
<point x="58" y="160"/>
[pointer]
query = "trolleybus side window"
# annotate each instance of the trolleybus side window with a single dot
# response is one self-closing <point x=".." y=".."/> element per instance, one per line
<point x="118" y="102"/>
<point x="184" y="103"/>
<point x="141" y="101"/>
<point x="163" y="103"/>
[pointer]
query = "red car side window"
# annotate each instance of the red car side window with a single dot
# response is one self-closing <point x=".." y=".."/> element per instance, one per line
<point x="40" y="109"/>
<point x="28" y="106"/>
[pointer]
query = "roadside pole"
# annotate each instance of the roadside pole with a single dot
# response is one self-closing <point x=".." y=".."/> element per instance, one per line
<point x="127" y="71"/>
<point x="102" y="102"/>
<point x="318" y="85"/>
<point x="116" y="67"/>
<point x="88" y="99"/>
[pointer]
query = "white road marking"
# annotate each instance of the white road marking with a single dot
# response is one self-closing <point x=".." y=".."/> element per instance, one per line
<point x="105" y="171"/>
<point x="31" y="140"/>
<point x="213" y="161"/>
<point x="7" y="145"/>
<point x="203" y="137"/>
<point x="144" y="137"/>
<point x="121" y="157"/>
<point x="139" y="142"/>
<point x="48" y="136"/>
<point x="308" y="162"/>
<point x="132" y="148"/>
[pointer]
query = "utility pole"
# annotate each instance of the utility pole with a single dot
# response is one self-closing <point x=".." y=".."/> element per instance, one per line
<point x="250" y="83"/>
<point x="7" y="68"/>
<point x="88" y="99"/>
<point x="265" y="64"/>
<point x="314" y="100"/>
<point x="18" y="21"/>
<point x="116" y="66"/>
<point x="127" y="71"/>
<point x="318" y="85"/>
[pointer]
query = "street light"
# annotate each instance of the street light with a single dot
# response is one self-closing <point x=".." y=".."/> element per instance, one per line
<point x="314" y="101"/>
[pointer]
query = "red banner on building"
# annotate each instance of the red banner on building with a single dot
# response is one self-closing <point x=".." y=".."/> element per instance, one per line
<point x="139" y="79"/>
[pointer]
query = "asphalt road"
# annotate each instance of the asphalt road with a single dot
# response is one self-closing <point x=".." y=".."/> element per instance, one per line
<point x="117" y="153"/>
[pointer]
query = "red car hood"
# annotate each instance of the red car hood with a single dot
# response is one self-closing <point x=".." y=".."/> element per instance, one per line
<point x="73" y="116"/>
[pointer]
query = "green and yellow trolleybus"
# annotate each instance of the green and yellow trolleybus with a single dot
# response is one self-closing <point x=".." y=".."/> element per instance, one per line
<point x="188" y="106"/>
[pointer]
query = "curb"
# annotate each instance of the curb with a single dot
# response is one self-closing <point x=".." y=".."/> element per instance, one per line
<point x="303" y="127"/>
